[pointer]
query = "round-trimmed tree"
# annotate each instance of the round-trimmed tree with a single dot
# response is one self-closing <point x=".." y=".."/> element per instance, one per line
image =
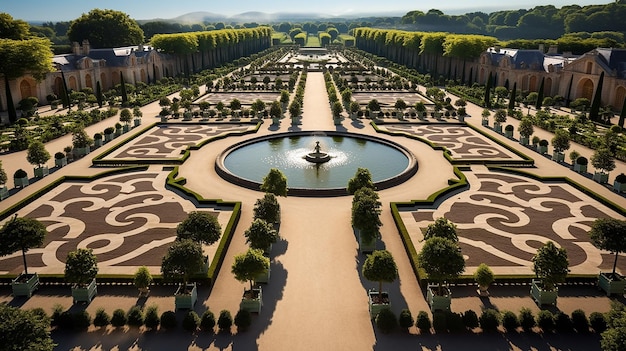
<point x="21" y="233"/>
<point x="441" y="228"/>
<point x="261" y="235"/>
<point x="551" y="265"/>
<point x="275" y="182"/>
<point x="362" y="179"/>
<point x="441" y="258"/>
<point x="249" y="265"/>
<point x="267" y="208"/>
<point x="380" y="267"/>
<point x="37" y="153"/>
<point x="81" y="266"/>
<point x="201" y="227"/>
<point x="182" y="259"/>
<point x="609" y="234"/>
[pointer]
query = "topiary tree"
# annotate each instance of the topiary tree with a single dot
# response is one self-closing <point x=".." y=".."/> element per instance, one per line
<point x="386" y="320"/>
<point x="275" y="182"/>
<point x="441" y="228"/>
<point x="249" y="265"/>
<point x="380" y="267"/>
<point x="191" y="321"/>
<point x="560" y="141"/>
<point x="102" y="318"/>
<point x="119" y="318"/>
<point x="483" y="276"/>
<point x="500" y="116"/>
<point x="525" y="127"/>
<point x="135" y="316"/>
<point x="81" y="266"/>
<point x="152" y="320"/>
<point x="261" y="235"/>
<point x="37" y="154"/>
<point x="142" y="279"/>
<point x="405" y="319"/>
<point x="510" y="322"/>
<point x="125" y="116"/>
<point x="362" y="179"/>
<point x="243" y="320"/>
<point x="21" y="233"/>
<point x="489" y="320"/>
<point x="366" y="214"/>
<point x="23" y="329"/>
<point x="267" y="208"/>
<point x="423" y="323"/>
<point x="441" y="258"/>
<point x="602" y="160"/>
<point x="201" y="227"/>
<point x="609" y="234"/>
<point x="225" y="321"/>
<point x="550" y="264"/>
<point x="182" y="259"/>
<point x="207" y="321"/>
<point x="527" y="319"/>
<point x="80" y="139"/>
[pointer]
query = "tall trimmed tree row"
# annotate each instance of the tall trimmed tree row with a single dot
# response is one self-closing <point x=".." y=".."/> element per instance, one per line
<point x="594" y="111"/>
<point x="488" y="92"/>
<point x="540" y="95"/>
<point x="513" y="96"/>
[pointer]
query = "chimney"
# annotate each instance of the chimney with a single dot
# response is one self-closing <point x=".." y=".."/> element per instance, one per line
<point x="75" y="48"/>
<point x="86" y="47"/>
<point x="496" y="48"/>
<point x="140" y="47"/>
<point x="553" y="50"/>
<point x="541" y="48"/>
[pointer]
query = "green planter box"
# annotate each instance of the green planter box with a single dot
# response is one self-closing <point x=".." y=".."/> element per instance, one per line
<point x="508" y="134"/>
<point x="187" y="116"/>
<point x="263" y="277"/>
<point x="438" y="302"/>
<point x="497" y="127"/>
<point x="82" y="151"/>
<point x="543" y="297"/>
<point x="85" y="294"/>
<point x="118" y="132"/>
<point x="21" y="182"/>
<point x="109" y="137"/>
<point x="611" y="284"/>
<point x="485" y="122"/>
<point x="4" y="192"/>
<point x="619" y="187"/>
<point x="524" y="141"/>
<point x="137" y="122"/>
<point x="375" y="303"/>
<point x="60" y="162"/>
<point x="98" y="142"/>
<point x="601" y="177"/>
<point x="542" y="149"/>
<point x="461" y="118"/>
<point x="186" y="300"/>
<point x="41" y="172"/>
<point x="580" y="168"/>
<point x="337" y="121"/>
<point x="558" y="156"/>
<point x="252" y="300"/>
<point x="25" y="284"/>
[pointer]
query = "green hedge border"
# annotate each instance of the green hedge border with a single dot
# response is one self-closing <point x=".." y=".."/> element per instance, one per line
<point x="99" y="160"/>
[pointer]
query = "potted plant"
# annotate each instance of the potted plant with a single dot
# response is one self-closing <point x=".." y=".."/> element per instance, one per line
<point x="441" y="258"/>
<point x="366" y="218"/>
<point x="183" y="259"/>
<point x="201" y="227"/>
<point x="38" y="155"/>
<point x="118" y="129"/>
<point x="581" y="164"/>
<point x="508" y="131"/>
<point x="602" y="161"/>
<point x="499" y="117"/>
<point x="247" y="267"/>
<point x="60" y="159"/>
<point x="125" y="117"/>
<point x="485" y="117"/>
<point x="619" y="184"/>
<point x="97" y="140"/>
<point x="525" y="129"/>
<point x="276" y="112"/>
<point x="81" y="268"/>
<point x="535" y="142"/>
<point x="4" y="191"/>
<point x="261" y="235"/>
<point x="550" y="265"/>
<point x="337" y="108"/>
<point x="379" y="267"/>
<point x="608" y="234"/>
<point x="483" y="277"/>
<point x="543" y="147"/>
<point x="20" y="178"/>
<point x="109" y="134"/>
<point x="137" y="114"/>
<point x="275" y="182"/>
<point x="267" y="208"/>
<point x="560" y="143"/>
<point x="22" y="234"/>
<point x="81" y="141"/>
<point x="142" y="280"/>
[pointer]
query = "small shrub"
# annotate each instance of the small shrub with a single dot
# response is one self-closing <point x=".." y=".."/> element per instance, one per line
<point x="470" y="319"/>
<point x="563" y="323"/>
<point x="405" y="319"/>
<point x="597" y="321"/>
<point x="135" y="317"/>
<point x="580" y="321"/>
<point x="545" y="321"/>
<point x="57" y="310"/>
<point x="119" y="318"/>
<point x="207" y="322"/>
<point x="102" y="318"/>
<point x="582" y="161"/>
<point x="41" y="313"/>
<point x="510" y="322"/>
<point x="527" y="319"/>
<point x="621" y="178"/>
<point x="423" y="322"/>
<point x="243" y="320"/>
<point x="168" y="320"/>
<point x="455" y="322"/>
<point x="152" y="319"/>
<point x="81" y="320"/>
<point x="191" y="321"/>
<point x="224" y="321"/>
<point x="489" y="320"/>
<point x="440" y="324"/>
<point x="386" y="320"/>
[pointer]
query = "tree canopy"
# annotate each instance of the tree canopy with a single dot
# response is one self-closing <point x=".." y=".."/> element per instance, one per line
<point x="182" y="259"/>
<point x="13" y="28"/>
<point x="608" y="234"/>
<point x="362" y="179"/>
<point x="249" y="265"/>
<point x="201" y="227"/>
<point x="380" y="267"/>
<point x="106" y="29"/>
<point x="275" y="182"/>
<point x="551" y="265"/>
<point x="21" y="233"/>
<point x="24" y="329"/>
<point x="81" y="266"/>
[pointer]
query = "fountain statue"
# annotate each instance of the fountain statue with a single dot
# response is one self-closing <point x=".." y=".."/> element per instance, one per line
<point x="317" y="156"/>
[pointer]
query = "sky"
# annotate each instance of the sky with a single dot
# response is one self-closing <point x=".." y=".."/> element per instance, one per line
<point x="67" y="10"/>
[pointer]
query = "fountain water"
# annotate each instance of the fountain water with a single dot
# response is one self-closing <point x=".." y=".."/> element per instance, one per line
<point x="317" y="156"/>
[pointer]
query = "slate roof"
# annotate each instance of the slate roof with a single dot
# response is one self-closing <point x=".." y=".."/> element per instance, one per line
<point x="114" y="57"/>
<point x="528" y="59"/>
<point x="615" y="59"/>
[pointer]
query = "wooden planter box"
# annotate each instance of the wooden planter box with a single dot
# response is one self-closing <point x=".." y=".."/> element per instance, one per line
<point x="21" y="182"/>
<point x="611" y="284"/>
<point x="461" y="118"/>
<point x="41" y="172"/>
<point x="337" y="121"/>
<point x="558" y="156"/>
<point x="118" y="132"/>
<point x="60" y="162"/>
<point x="254" y="303"/>
<point x="601" y="177"/>
<point x="4" y="192"/>
<point x="375" y="306"/>
<point x="85" y="294"/>
<point x="580" y="168"/>
<point x="275" y="120"/>
<point x="508" y="134"/>
<point x="186" y="300"/>
<point x="438" y="302"/>
<point x="126" y="128"/>
<point x="365" y="247"/>
<point x="619" y="187"/>
<point x="524" y="141"/>
<point x="25" y="284"/>
<point x="543" y="297"/>
<point x="263" y="277"/>
<point x="542" y="149"/>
